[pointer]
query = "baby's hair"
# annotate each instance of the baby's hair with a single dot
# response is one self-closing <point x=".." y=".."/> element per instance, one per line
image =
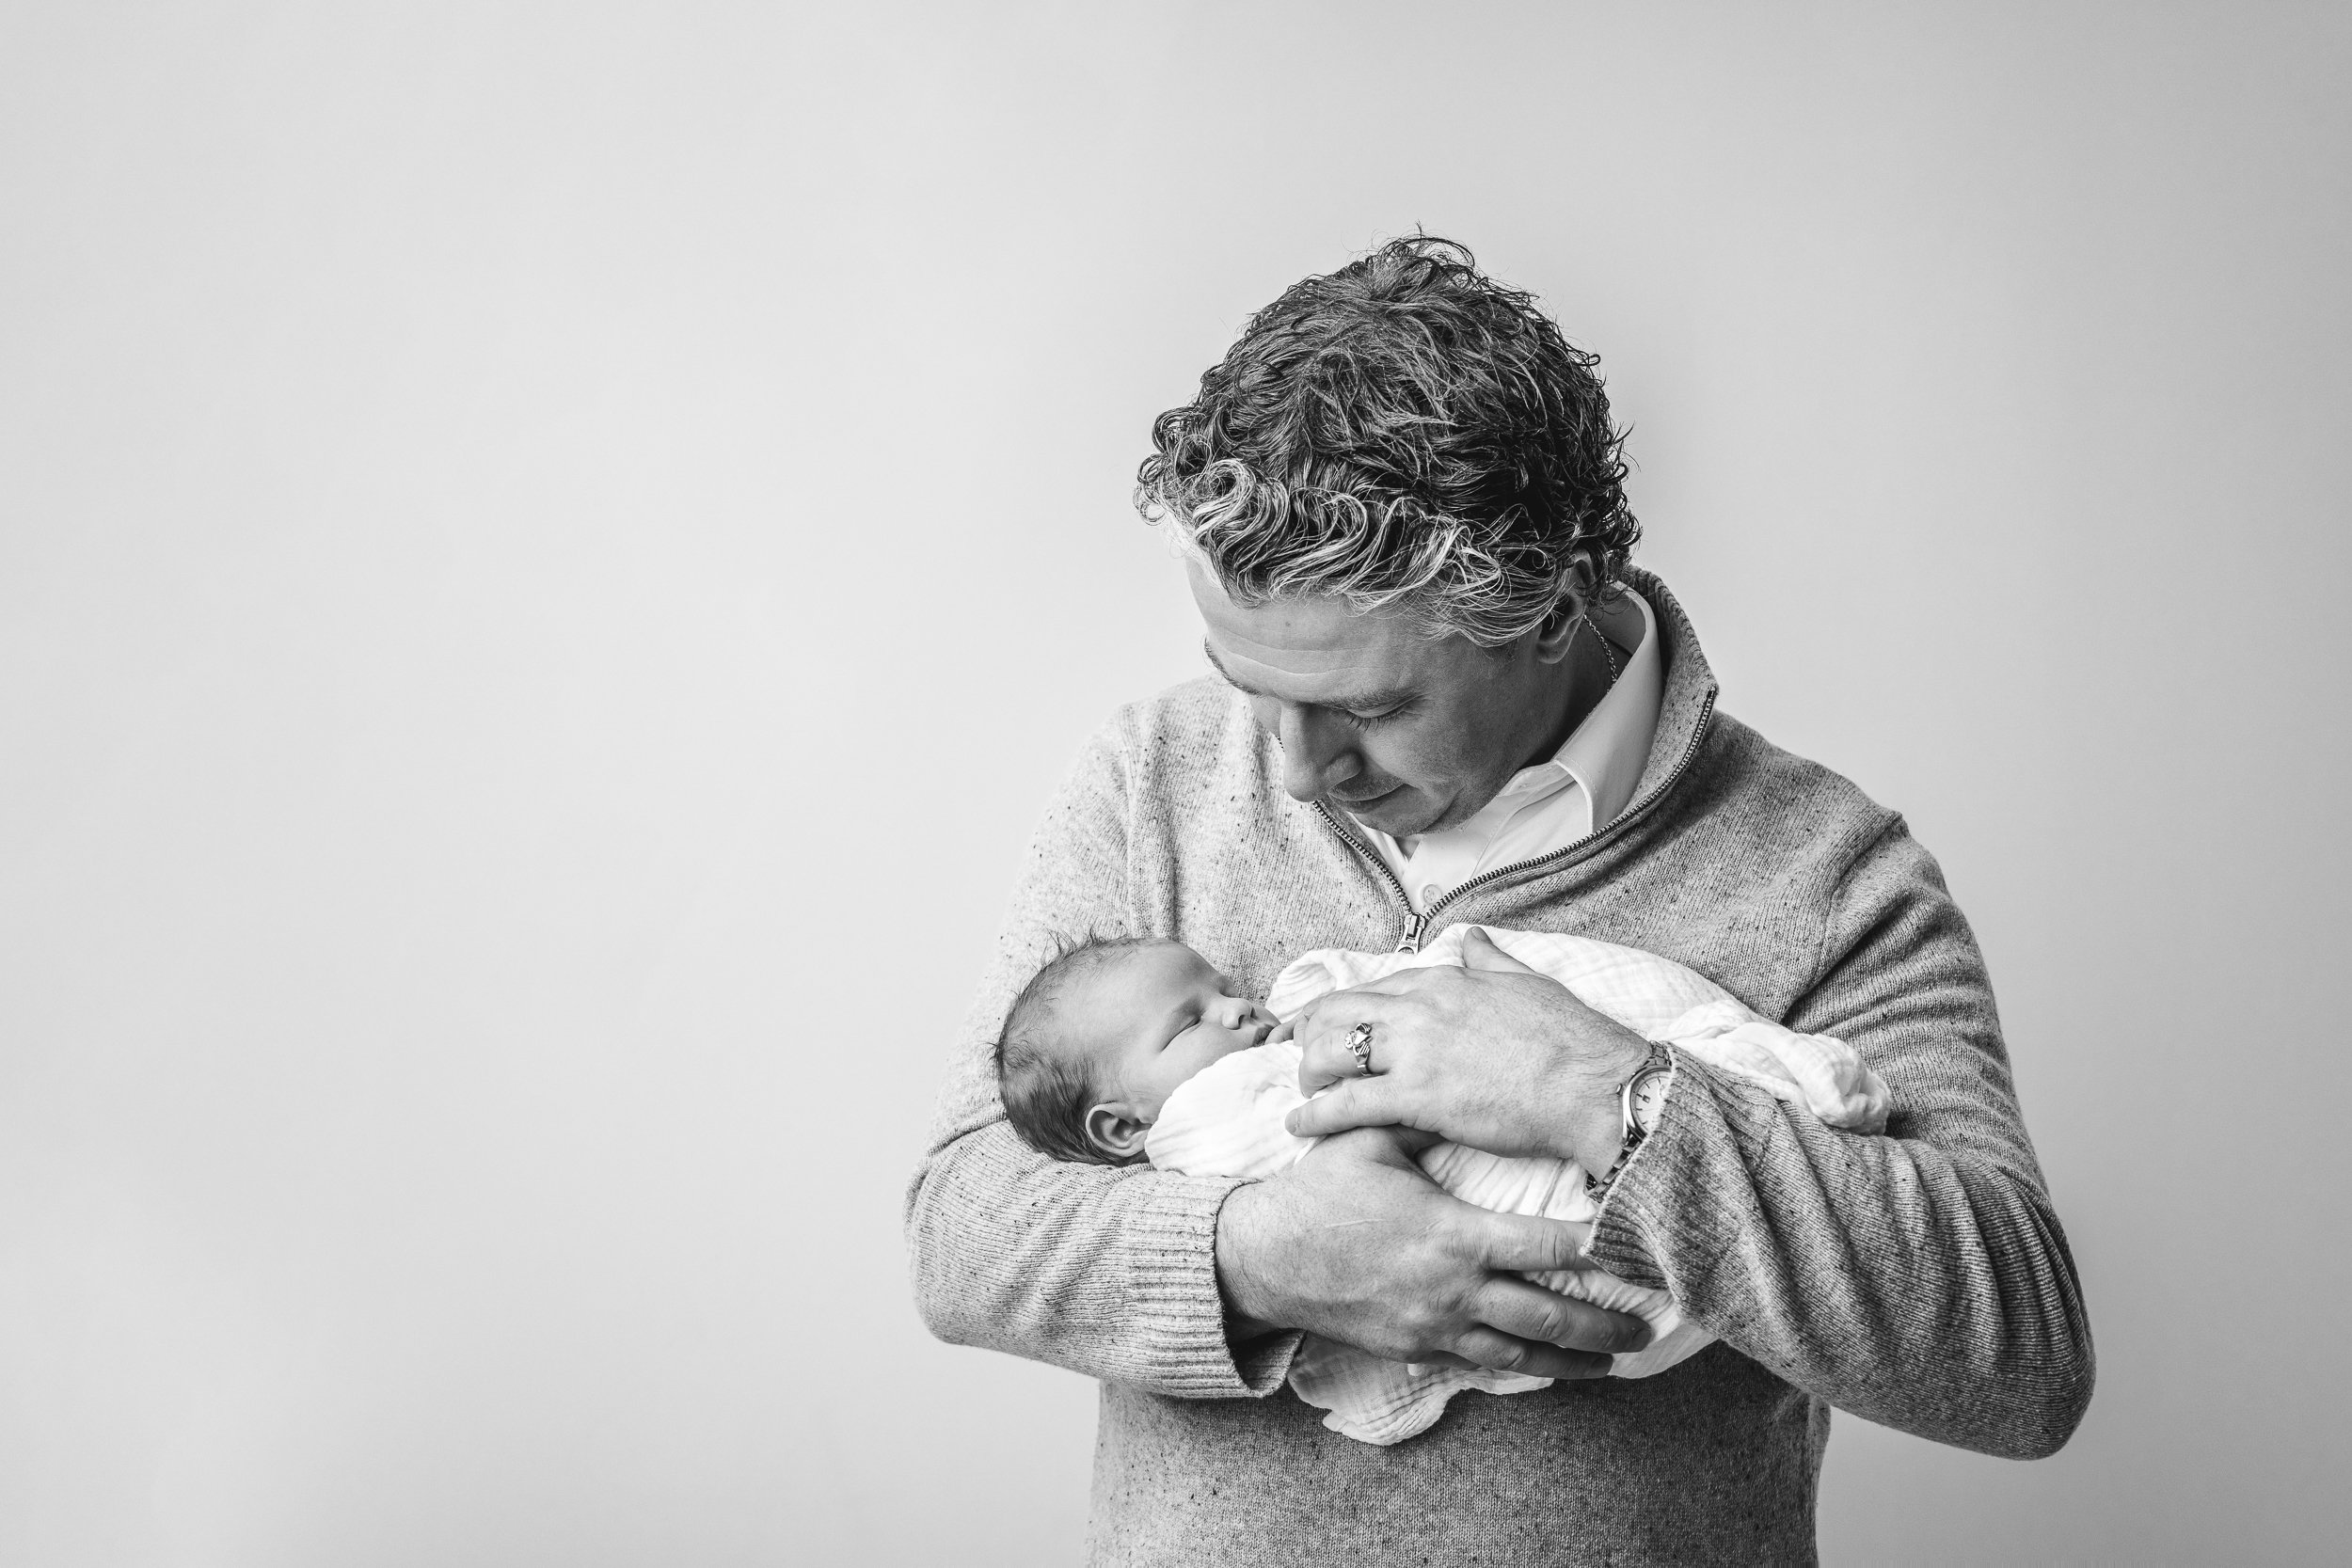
<point x="1047" y="1094"/>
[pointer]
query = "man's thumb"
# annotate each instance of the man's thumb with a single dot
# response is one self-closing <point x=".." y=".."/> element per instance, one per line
<point x="1480" y="952"/>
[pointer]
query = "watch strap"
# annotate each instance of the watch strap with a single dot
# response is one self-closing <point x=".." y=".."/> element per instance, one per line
<point x="1658" y="1060"/>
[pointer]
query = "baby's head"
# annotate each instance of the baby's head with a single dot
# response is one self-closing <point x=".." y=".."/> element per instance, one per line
<point x="1095" y="1042"/>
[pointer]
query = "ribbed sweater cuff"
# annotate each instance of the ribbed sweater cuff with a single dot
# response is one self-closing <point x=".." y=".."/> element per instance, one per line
<point x="1171" y="1245"/>
<point x="1684" y="1196"/>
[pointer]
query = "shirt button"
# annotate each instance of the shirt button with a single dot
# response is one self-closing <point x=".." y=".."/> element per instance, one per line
<point x="1430" y="894"/>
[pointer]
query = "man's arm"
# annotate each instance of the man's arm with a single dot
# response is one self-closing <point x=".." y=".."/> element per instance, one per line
<point x="1919" y="1279"/>
<point x="1115" y="1273"/>
<point x="1109" y="1273"/>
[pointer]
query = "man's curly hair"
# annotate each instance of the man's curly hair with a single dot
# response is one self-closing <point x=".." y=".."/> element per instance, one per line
<point x="1405" y="430"/>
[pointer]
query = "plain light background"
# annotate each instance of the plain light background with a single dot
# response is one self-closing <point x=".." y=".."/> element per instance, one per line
<point x="550" y="557"/>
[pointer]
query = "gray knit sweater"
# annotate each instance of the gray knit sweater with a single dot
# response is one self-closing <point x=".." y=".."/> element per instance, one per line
<point x="1919" y="1278"/>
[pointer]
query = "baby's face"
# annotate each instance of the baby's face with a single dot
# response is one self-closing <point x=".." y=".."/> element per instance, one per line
<point x="1155" y="1015"/>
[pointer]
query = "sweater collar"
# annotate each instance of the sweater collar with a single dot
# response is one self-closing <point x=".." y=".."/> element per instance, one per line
<point x="1689" y="701"/>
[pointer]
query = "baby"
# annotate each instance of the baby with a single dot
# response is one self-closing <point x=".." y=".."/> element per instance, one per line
<point x="1134" y="1049"/>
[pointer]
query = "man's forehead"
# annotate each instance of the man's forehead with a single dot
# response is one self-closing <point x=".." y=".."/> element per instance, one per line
<point x="1308" y="649"/>
<point x="1276" y="672"/>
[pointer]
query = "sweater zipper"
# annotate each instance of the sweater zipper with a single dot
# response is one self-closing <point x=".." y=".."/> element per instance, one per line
<point x="1414" y="924"/>
<point x="1417" y="925"/>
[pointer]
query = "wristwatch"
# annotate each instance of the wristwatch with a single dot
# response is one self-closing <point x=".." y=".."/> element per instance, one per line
<point x="1641" y="1102"/>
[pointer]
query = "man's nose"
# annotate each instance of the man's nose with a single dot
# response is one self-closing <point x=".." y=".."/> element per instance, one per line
<point x="1318" y="753"/>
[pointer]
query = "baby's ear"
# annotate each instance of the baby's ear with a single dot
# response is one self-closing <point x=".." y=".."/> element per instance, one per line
<point x="1111" y="1130"/>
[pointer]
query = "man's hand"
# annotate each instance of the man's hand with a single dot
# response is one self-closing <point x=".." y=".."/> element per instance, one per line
<point x="1354" y="1244"/>
<point x="1491" y="1054"/>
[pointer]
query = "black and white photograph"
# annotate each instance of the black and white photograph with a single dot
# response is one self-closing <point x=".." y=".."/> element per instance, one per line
<point x="1195" y="786"/>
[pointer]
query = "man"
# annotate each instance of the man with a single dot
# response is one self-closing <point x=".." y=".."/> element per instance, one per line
<point x="1443" y="695"/>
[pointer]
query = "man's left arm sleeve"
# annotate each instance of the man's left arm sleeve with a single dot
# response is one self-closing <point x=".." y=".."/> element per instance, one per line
<point x="1917" y="1278"/>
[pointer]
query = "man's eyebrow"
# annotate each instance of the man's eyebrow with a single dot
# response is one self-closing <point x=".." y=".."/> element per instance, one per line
<point x="1223" y="673"/>
<point x="1368" y="702"/>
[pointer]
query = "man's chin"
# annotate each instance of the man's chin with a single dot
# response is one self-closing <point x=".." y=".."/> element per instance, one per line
<point x="1402" y="813"/>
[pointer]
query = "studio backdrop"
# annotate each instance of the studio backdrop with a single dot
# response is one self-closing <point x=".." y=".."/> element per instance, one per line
<point x="550" y="557"/>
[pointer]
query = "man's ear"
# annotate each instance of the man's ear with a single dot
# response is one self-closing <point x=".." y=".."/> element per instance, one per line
<point x="1112" y="1131"/>
<point x="1559" y="629"/>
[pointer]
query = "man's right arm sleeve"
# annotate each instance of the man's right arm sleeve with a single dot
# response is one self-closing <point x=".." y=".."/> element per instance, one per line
<point x="1917" y="1277"/>
<point x="1109" y="1272"/>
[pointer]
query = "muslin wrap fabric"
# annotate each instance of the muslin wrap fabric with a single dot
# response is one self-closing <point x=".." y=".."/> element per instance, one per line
<point x="1228" y="1120"/>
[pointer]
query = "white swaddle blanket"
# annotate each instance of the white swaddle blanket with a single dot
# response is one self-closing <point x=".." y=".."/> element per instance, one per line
<point x="1227" y="1120"/>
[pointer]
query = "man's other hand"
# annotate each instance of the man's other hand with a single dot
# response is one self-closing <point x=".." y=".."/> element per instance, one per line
<point x="1356" y="1244"/>
<point x="1491" y="1054"/>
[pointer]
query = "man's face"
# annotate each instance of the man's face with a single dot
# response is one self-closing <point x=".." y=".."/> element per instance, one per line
<point x="1405" y="733"/>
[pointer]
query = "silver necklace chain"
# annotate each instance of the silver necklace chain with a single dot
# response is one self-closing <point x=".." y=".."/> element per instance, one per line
<point x="1608" y="649"/>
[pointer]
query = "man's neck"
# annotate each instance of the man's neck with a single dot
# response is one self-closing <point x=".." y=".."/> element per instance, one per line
<point x="1588" y="672"/>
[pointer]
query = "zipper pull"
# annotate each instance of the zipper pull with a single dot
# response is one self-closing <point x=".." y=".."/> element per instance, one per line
<point x="1411" y="941"/>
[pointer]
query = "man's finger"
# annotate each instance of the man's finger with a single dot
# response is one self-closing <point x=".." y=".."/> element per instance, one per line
<point x="1479" y="952"/>
<point x="1485" y="1347"/>
<point x="1344" y="1009"/>
<point x="1321" y="1064"/>
<point x="1357" y="1102"/>
<point x="1323" y="1028"/>
<point x="1519" y="1243"/>
<point x="1328" y="1056"/>
<point x="1403" y="983"/>
<point x="1527" y="1311"/>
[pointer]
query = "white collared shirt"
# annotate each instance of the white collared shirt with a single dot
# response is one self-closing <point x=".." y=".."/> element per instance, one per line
<point x="1584" y="786"/>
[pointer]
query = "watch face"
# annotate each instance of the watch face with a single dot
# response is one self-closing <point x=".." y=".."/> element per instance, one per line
<point x="1649" y="1098"/>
